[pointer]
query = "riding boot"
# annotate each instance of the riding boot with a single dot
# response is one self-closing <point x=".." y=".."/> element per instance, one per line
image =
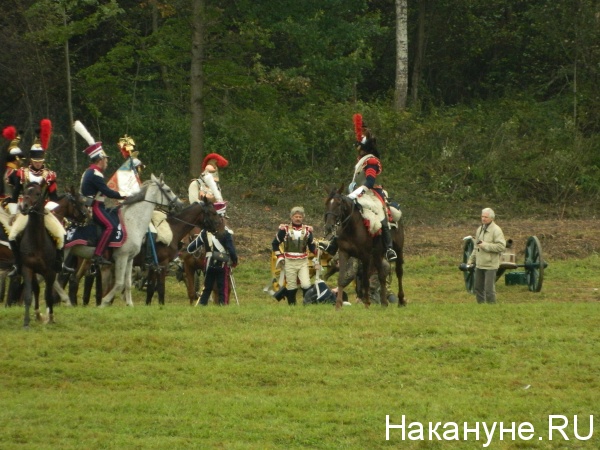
<point x="291" y="296"/>
<point x="386" y="234"/>
<point x="330" y="247"/>
<point x="16" y="270"/>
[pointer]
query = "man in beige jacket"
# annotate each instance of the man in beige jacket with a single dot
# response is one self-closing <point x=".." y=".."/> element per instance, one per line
<point x="489" y="244"/>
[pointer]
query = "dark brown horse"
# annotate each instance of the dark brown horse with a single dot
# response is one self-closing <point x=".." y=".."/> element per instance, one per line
<point x="344" y="221"/>
<point x="196" y="215"/>
<point x="70" y="207"/>
<point x="38" y="251"/>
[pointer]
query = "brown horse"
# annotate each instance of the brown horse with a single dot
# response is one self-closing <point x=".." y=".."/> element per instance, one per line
<point x="344" y="221"/>
<point x="38" y="251"/>
<point x="196" y="215"/>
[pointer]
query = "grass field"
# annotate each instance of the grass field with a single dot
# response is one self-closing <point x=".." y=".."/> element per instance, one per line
<point x="267" y="376"/>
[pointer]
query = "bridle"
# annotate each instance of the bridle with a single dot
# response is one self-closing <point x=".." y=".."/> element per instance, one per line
<point x="340" y="223"/>
<point x="32" y="208"/>
<point x="171" y="205"/>
<point x="80" y="209"/>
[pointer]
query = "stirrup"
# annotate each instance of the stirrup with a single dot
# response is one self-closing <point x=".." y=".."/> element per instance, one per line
<point x="14" y="272"/>
<point x="390" y="255"/>
<point x="100" y="260"/>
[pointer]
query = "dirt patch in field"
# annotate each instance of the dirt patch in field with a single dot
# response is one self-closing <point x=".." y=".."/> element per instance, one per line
<point x="255" y="228"/>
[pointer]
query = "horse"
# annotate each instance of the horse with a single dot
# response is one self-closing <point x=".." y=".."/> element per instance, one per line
<point x="137" y="213"/>
<point x="344" y="221"/>
<point x="70" y="207"/>
<point x="198" y="214"/>
<point x="38" y="251"/>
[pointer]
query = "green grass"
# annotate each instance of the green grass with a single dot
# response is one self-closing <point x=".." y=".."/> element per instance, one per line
<point x="267" y="376"/>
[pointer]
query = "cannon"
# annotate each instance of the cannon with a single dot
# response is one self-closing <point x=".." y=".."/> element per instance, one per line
<point x="534" y="265"/>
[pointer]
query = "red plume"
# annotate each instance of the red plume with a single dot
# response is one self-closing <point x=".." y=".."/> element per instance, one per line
<point x="9" y="133"/>
<point x="221" y="162"/>
<point x="45" y="132"/>
<point x="357" y="118"/>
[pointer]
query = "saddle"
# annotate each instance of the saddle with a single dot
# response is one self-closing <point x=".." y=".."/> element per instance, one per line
<point x="90" y="234"/>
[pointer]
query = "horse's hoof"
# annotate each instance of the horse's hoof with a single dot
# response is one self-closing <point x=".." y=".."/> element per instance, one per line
<point x="50" y="319"/>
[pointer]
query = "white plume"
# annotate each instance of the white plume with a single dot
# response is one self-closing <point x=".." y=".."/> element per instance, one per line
<point x="80" y="128"/>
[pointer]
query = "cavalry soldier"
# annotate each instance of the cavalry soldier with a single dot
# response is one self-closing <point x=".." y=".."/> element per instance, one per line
<point x="94" y="187"/>
<point x="207" y="184"/>
<point x="37" y="172"/>
<point x="366" y="171"/>
<point x="13" y="159"/>
<point x="297" y="239"/>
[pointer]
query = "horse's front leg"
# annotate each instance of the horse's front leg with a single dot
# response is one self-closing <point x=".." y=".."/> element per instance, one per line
<point x="161" y="279"/>
<point x="364" y="276"/>
<point x="48" y="294"/>
<point x="27" y="274"/>
<point x="120" y="266"/>
<point x="343" y="262"/>
<point x="399" y="275"/>
<point x="127" y="276"/>
<point x="383" y="270"/>
<point x="35" y="291"/>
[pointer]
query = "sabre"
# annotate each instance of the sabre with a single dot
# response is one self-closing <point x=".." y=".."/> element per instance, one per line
<point x="237" y="300"/>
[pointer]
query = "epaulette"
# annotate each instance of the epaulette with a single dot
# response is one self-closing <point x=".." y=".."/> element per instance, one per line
<point x="309" y="228"/>
<point x="283" y="226"/>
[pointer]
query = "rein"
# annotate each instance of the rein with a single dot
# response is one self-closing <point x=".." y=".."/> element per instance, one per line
<point x="339" y="222"/>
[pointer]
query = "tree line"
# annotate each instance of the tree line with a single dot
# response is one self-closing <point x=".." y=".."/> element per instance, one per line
<point x="500" y="96"/>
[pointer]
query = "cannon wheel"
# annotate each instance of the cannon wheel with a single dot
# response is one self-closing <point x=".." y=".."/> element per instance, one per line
<point x="534" y="264"/>
<point x="468" y="274"/>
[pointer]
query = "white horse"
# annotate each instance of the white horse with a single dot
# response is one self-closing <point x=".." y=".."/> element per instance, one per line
<point x="137" y="213"/>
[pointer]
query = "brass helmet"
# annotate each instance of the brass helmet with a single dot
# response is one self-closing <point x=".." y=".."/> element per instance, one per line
<point x="127" y="146"/>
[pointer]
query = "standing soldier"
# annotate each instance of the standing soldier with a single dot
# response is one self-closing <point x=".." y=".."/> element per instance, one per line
<point x="297" y="239"/>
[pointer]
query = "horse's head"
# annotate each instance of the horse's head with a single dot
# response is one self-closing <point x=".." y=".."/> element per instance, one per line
<point x="336" y="211"/>
<point x="213" y="222"/>
<point x="165" y="196"/>
<point x="34" y="197"/>
<point x="75" y="209"/>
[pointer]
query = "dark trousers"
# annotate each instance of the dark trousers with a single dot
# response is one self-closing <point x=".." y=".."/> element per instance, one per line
<point x="213" y="274"/>
<point x="485" y="285"/>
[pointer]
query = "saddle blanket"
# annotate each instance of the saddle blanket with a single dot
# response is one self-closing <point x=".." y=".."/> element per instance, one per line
<point x="373" y="212"/>
<point x="89" y="235"/>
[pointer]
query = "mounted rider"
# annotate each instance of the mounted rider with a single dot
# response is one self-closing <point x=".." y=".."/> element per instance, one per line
<point x="207" y="184"/>
<point x="93" y="186"/>
<point x="363" y="183"/>
<point x="14" y="156"/>
<point x="37" y="172"/>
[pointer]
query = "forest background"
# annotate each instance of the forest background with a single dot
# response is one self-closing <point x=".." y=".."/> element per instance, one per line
<point x="502" y="105"/>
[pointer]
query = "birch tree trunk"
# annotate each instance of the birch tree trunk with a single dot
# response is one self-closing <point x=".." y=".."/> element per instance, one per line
<point x="401" y="86"/>
<point x="197" y="89"/>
